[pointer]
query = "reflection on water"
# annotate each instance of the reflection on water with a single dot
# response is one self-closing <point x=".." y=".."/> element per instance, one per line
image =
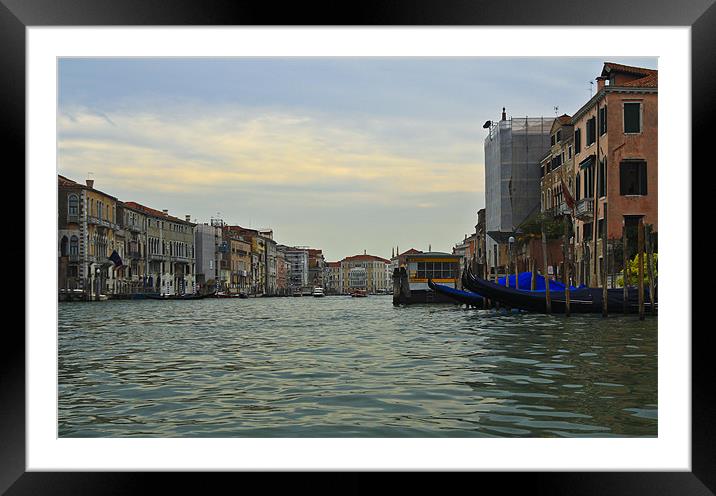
<point x="348" y="367"/>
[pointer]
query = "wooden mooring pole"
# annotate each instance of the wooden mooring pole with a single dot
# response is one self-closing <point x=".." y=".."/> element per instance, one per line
<point x="650" y="266"/>
<point x="605" y="264"/>
<point x="640" y="249"/>
<point x="547" y="297"/>
<point x="625" y="271"/>
<point x="533" y="282"/>
<point x="566" y="267"/>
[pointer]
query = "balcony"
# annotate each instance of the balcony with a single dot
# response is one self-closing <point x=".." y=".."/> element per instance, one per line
<point x="73" y="219"/>
<point x="73" y="257"/>
<point x="100" y="222"/>
<point x="585" y="209"/>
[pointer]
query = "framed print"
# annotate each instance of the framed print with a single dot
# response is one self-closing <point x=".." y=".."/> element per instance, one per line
<point x="179" y="138"/>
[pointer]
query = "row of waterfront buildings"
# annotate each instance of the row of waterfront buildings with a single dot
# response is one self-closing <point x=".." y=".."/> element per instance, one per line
<point x="586" y="179"/>
<point x="122" y="248"/>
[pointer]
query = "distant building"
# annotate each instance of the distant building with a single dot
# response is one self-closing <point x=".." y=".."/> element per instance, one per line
<point x="297" y="257"/>
<point x="207" y="239"/>
<point x="316" y="268"/>
<point x="283" y="268"/>
<point x="170" y="246"/>
<point x="367" y="272"/>
<point x="87" y="224"/>
<point x="332" y="278"/>
<point x="133" y="224"/>
<point x="513" y="149"/>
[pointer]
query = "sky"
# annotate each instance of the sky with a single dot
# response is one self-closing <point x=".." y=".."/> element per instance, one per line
<point x="344" y="154"/>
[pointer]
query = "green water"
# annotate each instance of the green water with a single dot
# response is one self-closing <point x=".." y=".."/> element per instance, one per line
<point x="350" y="367"/>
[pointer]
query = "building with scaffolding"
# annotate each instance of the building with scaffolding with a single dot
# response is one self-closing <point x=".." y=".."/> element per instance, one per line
<point x="513" y="149"/>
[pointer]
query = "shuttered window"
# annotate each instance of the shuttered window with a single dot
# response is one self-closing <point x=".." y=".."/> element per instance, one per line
<point x="591" y="131"/>
<point x="632" y="117"/>
<point x="577" y="141"/>
<point x="603" y="120"/>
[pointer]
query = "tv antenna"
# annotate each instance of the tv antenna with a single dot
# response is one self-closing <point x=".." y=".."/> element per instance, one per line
<point x="556" y="110"/>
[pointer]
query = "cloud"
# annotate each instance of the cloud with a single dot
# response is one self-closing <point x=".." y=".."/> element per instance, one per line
<point x="239" y="149"/>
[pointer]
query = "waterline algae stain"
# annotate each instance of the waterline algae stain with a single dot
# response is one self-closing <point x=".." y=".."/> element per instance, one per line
<point x="350" y="367"/>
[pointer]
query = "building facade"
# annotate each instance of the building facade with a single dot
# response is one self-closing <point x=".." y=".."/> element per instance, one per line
<point x="87" y="225"/>
<point x="615" y="167"/>
<point x="513" y="149"/>
<point x="170" y="246"/>
<point x="366" y="272"/>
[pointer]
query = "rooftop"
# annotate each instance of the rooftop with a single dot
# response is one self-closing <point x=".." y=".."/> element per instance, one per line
<point x="154" y="212"/>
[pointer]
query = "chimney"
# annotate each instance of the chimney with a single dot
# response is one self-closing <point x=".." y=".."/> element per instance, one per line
<point x="600" y="82"/>
<point x="90" y="183"/>
<point x="166" y="212"/>
<point x="188" y="218"/>
<point x="365" y="252"/>
<point x="504" y="115"/>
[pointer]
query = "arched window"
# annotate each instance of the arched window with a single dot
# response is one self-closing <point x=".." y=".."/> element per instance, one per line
<point x="74" y="245"/>
<point x="63" y="246"/>
<point x="73" y="205"/>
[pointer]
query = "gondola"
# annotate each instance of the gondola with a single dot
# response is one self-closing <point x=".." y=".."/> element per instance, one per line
<point x="582" y="300"/>
<point x="464" y="297"/>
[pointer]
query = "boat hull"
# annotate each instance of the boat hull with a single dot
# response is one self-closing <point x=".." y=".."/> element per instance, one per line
<point x="583" y="300"/>
<point x="457" y="295"/>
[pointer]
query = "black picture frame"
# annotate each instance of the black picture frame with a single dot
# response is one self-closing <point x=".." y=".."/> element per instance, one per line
<point x="16" y="15"/>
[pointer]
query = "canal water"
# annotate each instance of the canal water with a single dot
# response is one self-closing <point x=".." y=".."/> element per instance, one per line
<point x="350" y="367"/>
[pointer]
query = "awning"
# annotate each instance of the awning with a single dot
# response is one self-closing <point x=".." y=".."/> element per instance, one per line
<point x="587" y="162"/>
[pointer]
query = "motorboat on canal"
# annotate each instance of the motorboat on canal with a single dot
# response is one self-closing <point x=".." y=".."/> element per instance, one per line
<point x="359" y="293"/>
<point x="581" y="300"/>
<point x="318" y="292"/>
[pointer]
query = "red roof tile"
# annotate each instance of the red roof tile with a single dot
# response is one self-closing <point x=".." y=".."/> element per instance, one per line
<point x="629" y="69"/>
<point x="650" y="81"/>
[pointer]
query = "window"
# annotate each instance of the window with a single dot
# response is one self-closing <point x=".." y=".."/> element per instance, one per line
<point x="591" y="131"/>
<point x="632" y="117"/>
<point x="577" y="187"/>
<point x="558" y="136"/>
<point x="73" y="205"/>
<point x="632" y="177"/>
<point x="587" y="231"/>
<point x="603" y="120"/>
<point x="569" y="152"/>
<point x="577" y="141"/>
<point x="436" y="270"/>
<point x="603" y="178"/>
<point x="74" y="245"/>
<point x="589" y="181"/>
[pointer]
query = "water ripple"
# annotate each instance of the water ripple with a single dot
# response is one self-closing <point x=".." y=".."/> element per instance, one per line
<point x="347" y="367"/>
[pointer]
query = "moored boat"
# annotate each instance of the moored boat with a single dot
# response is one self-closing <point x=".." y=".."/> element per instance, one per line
<point x="582" y="300"/>
<point x="178" y="297"/>
<point x="359" y="293"/>
<point x="410" y="280"/>
<point x="318" y="292"/>
<point x="460" y="296"/>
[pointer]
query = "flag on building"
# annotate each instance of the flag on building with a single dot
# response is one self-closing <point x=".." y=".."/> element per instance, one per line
<point x="116" y="258"/>
<point x="567" y="196"/>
